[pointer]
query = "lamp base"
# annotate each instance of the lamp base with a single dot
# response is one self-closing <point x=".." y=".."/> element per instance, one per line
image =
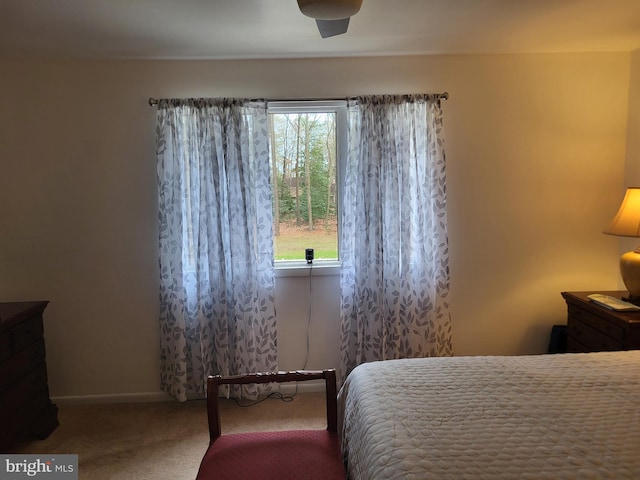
<point x="635" y="299"/>
<point x="630" y="273"/>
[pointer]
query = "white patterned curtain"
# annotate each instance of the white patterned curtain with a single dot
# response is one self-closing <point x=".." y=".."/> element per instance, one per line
<point x="217" y="311"/>
<point x="393" y="241"/>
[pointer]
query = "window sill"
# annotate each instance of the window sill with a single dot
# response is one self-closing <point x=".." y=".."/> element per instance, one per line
<point x="303" y="269"/>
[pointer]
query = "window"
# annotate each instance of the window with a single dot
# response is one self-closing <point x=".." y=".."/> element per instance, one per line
<point x="307" y="142"/>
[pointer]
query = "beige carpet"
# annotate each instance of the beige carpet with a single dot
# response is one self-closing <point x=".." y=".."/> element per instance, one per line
<point x="162" y="440"/>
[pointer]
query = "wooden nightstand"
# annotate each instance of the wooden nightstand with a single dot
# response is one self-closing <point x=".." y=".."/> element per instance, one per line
<point x="593" y="328"/>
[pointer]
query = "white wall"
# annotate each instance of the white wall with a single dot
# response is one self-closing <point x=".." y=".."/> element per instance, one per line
<point x="536" y="149"/>
<point x="632" y="170"/>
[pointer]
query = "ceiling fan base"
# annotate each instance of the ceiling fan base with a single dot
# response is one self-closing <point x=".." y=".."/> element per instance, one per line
<point x="329" y="9"/>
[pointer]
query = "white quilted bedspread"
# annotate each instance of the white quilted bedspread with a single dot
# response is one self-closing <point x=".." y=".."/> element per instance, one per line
<point x="569" y="416"/>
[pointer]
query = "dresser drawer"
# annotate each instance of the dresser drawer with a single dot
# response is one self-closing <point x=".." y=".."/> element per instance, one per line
<point x="23" y="416"/>
<point x="597" y="323"/>
<point x="27" y="333"/>
<point x="573" y="346"/>
<point x="582" y="332"/>
<point x="21" y="364"/>
<point x="5" y="346"/>
<point x="23" y="392"/>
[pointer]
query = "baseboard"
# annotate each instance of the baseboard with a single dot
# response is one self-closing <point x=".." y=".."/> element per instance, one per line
<point x="286" y="388"/>
<point x="112" y="398"/>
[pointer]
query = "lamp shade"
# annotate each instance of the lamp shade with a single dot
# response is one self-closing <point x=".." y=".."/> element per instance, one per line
<point x="626" y="223"/>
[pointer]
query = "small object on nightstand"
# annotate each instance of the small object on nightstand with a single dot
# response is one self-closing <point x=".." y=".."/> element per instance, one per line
<point x="612" y="302"/>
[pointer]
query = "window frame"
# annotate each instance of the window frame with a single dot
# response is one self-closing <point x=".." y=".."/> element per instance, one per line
<point x="286" y="268"/>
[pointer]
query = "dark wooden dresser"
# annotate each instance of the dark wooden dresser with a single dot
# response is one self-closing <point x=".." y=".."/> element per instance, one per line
<point x="25" y="406"/>
<point x="593" y="328"/>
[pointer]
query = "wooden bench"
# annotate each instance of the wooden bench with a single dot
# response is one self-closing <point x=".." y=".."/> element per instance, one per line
<point x="278" y="455"/>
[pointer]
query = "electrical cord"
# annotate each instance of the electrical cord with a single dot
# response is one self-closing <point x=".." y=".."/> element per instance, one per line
<point x="306" y="358"/>
<point x="280" y="395"/>
<point x="275" y="395"/>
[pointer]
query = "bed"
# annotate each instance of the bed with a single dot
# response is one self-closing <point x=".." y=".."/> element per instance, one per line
<point x="569" y="416"/>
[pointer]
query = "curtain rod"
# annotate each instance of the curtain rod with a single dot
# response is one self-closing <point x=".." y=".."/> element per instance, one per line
<point x="443" y="96"/>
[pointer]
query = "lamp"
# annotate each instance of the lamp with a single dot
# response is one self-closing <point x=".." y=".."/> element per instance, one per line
<point x="626" y="223"/>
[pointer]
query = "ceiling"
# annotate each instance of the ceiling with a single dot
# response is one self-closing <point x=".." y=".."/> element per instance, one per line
<point x="222" y="29"/>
